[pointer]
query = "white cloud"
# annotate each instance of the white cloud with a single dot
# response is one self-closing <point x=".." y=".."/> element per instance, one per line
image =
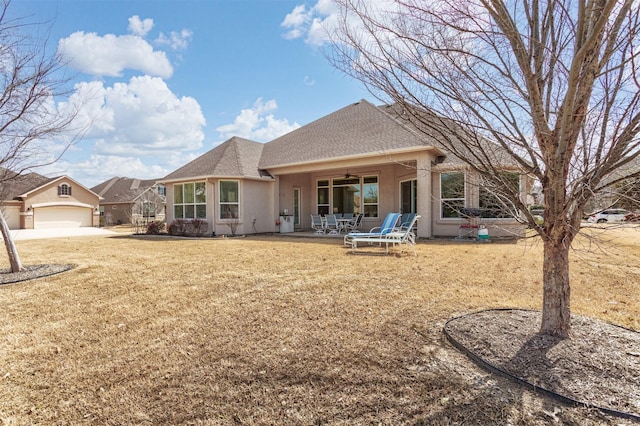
<point x="140" y="27"/>
<point x="314" y="23"/>
<point x="98" y="168"/>
<point x="257" y="124"/>
<point x="295" y="22"/>
<point x="177" y="40"/>
<point x="110" y="55"/>
<point x="139" y="117"/>
<point x="317" y="23"/>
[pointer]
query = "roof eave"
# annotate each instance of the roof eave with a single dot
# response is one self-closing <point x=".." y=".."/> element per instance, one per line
<point x="207" y="177"/>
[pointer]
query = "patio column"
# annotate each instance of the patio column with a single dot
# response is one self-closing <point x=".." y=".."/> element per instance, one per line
<point x="276" y="204"/>
<point x="424" y="198"/>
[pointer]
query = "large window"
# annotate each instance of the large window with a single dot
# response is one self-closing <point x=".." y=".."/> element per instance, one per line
<point x="348" y="195"/>
<point x="229" y="199"/>
<point x="190" y="200"/>
<point x="494" y="202"/>
<point x="451" y="194"/>
<point x="370" y="196"/>
<point x="323" y="197"/>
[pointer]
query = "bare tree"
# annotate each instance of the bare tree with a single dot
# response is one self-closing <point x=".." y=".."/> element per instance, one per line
<point x="552" y="87"/>
<point x="30" y="83"/>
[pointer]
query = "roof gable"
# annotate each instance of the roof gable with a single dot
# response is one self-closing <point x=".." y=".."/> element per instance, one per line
<point x="122" y="189"/>
<point x="53" y="181"/>
<point x="236" y="157"/>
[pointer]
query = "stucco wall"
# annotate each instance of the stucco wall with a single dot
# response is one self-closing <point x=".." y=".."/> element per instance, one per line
<point x="49" y="194"/>
<point x="256" y="201"/>
<point x="497" y="228"/>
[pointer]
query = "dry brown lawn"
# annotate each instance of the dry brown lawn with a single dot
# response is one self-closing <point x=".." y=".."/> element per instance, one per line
<point x="282" y="330"/>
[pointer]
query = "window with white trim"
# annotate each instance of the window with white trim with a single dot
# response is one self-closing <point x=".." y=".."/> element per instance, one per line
<point x="229" y="204"/>
<point x="493" y="199"/>
<point x="370" y="196"/>
<point x="348" y="195"/>
<point x="190" y="200"/>
<point x="323" y="197"/>
<point x="452" y="194"/>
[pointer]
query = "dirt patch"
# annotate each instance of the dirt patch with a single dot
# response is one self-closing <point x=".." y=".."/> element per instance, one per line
<point x="598" y="366"/>
<point x="31" y="272"/>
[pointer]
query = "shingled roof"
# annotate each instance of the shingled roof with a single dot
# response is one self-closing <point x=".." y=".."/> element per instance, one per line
<point x="357" y="129"/>
<point x="237" y="157"/>
<point x="122" y="189"/>
<point x="13" y="185"/>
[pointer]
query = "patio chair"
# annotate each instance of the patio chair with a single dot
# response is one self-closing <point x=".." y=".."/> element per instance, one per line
<point x="332" y="224"/>
<point x="317" y="224"/>
<point x="406" y="220"/>
<point x="387" y="226"/>
<point x="354" y="225"/>
<point x="347" y="216"/>
<point x="398" y="236"/>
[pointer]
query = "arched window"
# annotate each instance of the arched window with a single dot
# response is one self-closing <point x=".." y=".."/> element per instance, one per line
<point x="64" y="189"/>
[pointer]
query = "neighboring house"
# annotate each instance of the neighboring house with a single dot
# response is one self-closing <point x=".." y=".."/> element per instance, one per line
<point x="33" y="201"/>
<point x="126" y="200"/>
<point x="361" y="158"/>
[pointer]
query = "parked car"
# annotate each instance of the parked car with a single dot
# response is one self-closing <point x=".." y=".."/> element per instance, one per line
<point x="608" y="216"/>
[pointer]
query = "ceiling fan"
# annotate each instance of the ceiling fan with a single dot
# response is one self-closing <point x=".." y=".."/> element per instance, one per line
<point x="349" y="175"/>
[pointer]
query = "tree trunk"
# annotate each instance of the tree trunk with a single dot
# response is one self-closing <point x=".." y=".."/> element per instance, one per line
<point x="556" y="310"/>
<point x="12" y="251"/>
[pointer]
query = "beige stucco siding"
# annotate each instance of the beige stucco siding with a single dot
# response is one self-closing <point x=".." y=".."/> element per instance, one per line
<point x="77" y="209"/>
<point x="256" y="201"/>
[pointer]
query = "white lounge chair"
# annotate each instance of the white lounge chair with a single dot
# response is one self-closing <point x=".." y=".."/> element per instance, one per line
<point x="389" y="223"/>
<point x="397" y="236"/>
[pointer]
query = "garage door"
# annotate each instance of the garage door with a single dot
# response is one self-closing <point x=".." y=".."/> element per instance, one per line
<point x="61" y="217"/>
<point x="12" y="216"/>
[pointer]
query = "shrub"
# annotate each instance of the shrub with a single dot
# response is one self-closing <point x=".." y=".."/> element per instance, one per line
<point x="193" y="227"/>
<point x="154" y="228"/>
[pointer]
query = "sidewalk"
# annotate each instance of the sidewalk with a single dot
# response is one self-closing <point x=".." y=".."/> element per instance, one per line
<point x="34" y="234"/>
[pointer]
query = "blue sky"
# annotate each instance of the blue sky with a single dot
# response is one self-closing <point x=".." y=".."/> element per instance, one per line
<point x="164" y="81"/>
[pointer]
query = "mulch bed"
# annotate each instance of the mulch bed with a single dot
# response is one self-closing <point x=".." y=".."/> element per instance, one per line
<point x="32" y="272"/>
<point x="599" y="366"/>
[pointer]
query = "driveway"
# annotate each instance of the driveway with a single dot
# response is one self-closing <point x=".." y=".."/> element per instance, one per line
<point x="34" y="234"/>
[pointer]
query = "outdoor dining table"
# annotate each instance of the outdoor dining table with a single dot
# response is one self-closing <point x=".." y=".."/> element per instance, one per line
<point x="342" y="223"/>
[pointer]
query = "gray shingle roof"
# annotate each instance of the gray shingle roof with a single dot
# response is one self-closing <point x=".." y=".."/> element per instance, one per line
<point x="13" y="185"/>
<point x="357" y="129"/>
<point x="237" y="157"/>
<point x="122" y="189"/>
